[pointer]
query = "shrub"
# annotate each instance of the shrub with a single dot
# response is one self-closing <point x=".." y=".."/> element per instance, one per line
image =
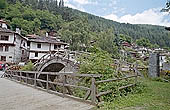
<point x="100" y="62"/>
<point x="28" y="67"/>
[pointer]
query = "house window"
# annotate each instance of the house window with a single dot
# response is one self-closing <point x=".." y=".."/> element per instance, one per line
<point x="36" y="54"/>
<point x="28" y="43"/>
<point x="6" y="48"/>
<point x="3" y="58"/>
<point x="1" y="48"/>
<point x="24" y="44"/>
<point x="23" y="52"/>
<point x="10" y="56"/>
<point x="57" y="46"/>
<point x="38" y="45"/>
<point x="3" y="37"/>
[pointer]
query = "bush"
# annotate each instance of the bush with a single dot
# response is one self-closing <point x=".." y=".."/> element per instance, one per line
<point x="100" y="62"/>
<point x="28" y="67"/>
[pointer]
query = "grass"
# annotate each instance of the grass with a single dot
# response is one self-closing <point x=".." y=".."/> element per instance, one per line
<point x="155" y="97"/>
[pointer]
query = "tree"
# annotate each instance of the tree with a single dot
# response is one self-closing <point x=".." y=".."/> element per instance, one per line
<point x="106" y="42"/>
<point x="98" y="62"/>
<point x="143" y="42"/>
<point x="41" y="5"/>
<point x="3" y="4"/>
<point x="76" y="33"/>
<point x="167" y="8"/>
<point x="12" y="1"/>
<point x="61" y="3"/>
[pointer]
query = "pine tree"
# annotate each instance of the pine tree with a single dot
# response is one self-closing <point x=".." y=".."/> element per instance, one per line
<point x="3" y="4"/>
<point x="61" y="3"/>
<point x="56" y="3"/>
<point x="41" y="5"/>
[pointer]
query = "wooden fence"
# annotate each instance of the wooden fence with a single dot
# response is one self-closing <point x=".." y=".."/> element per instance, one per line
<point x="50" y="81"/>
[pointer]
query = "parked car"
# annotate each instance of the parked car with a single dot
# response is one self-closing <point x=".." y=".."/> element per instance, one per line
<point x="1" y="66"/>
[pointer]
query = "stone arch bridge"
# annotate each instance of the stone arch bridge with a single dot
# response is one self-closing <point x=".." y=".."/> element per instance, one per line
<point x="60" y="61"/>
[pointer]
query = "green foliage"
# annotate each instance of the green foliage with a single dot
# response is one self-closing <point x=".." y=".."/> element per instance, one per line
<point x="159" y="79"/>
<point x="125" y="38"/>
<point x="167" y="59"/>
<point x="105" y="41"/>
<point x="143" y="42"/>
<point x="98" y="62"/>
<point x="76" y="33"/>
<point x="56" y="16"/>
<point x="3" y="4"/>
<point x="28" y="67"/>
<point x="31" y="21"/>
<point x="155" y="96"/>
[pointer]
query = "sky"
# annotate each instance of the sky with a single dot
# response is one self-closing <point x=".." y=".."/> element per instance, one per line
<point x="125" y="11"/>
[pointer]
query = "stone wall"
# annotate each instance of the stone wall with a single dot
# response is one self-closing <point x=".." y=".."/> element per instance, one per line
<point x="166" y="66"/>
<point x="154" y="68"/>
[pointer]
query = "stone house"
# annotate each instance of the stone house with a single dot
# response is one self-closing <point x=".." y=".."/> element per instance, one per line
<point x="38" y="46"/>
<point x="13" y="46"/>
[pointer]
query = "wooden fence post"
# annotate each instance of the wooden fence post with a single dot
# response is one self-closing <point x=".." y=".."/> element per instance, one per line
<point x="93" y="91"/>
<point x="136" y="73"/>
<point x="26" y="78"/>
<point x="35" y="79"/>
<point x="10" y="74"/>
<point x="47" y="84"/>
<point x="20" y="76"/>
<point x="64" y="82"/>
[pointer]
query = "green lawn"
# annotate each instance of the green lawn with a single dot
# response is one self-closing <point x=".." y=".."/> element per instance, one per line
<point x="155" y="97"/>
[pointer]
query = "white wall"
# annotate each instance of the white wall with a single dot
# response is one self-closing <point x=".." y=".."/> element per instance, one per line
<point x="32" y="55"/>
<point x="52" y="47"/>
<point x="162" y="60"/>
<point x="11" y="38"/>
<point x="8" y="54"/>
<point x="14" y="51"/>
<point x="24" y="41"/>
<point x="44" y="46"/>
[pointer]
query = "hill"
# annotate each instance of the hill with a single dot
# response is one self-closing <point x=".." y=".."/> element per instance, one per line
<point x="156" y="34"/>
<point x="76" y="27"/>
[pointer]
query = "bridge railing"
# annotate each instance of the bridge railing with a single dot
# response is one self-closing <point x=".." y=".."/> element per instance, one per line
<point x="67" y="84"/>
<point x="61" y="84"/>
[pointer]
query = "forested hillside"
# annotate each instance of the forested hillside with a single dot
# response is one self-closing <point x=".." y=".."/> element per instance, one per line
<point x="156" y="34"/>
<point x="75" y="27"/>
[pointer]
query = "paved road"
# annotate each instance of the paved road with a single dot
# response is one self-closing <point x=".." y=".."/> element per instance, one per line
<point x="1" y="72"/>
<point x="14" y="96"/>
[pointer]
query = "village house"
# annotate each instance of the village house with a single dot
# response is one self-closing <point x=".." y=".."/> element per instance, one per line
<point x="13" y="46"/>
<point x="38" y="46"/>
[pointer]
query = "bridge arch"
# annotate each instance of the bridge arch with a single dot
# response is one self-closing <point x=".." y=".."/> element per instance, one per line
<point x="57" y="65"/>
<point x="53" y="67"/>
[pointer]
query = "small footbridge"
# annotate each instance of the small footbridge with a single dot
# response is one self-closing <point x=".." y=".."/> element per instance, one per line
<point x="59" y="61"/>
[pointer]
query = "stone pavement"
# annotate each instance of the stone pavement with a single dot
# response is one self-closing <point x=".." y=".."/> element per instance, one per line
<point x="14" y="96"/>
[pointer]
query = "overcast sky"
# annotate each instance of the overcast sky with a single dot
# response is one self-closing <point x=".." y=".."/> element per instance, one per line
<point x="125" y="11"/>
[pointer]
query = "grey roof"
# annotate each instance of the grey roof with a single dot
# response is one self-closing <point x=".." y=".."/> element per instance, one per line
<point x="10" y="31"/>
<point x="6" y="30"/>
<point x="43" y="39"/>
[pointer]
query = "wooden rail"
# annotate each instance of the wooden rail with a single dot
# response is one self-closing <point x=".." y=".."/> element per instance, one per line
<point x="59" y="83"/>
<point x="48" y="84"/>
<point x="114" y="80"/>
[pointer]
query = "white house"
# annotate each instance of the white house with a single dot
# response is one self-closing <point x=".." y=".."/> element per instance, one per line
<point x="38" y="46"/>
<point x="13" y="45"/>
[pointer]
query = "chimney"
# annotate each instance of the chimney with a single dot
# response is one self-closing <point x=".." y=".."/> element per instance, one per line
<point x="18" y="31"/>
<point x="3" y="24"/>
<point x="46" y="34"/>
